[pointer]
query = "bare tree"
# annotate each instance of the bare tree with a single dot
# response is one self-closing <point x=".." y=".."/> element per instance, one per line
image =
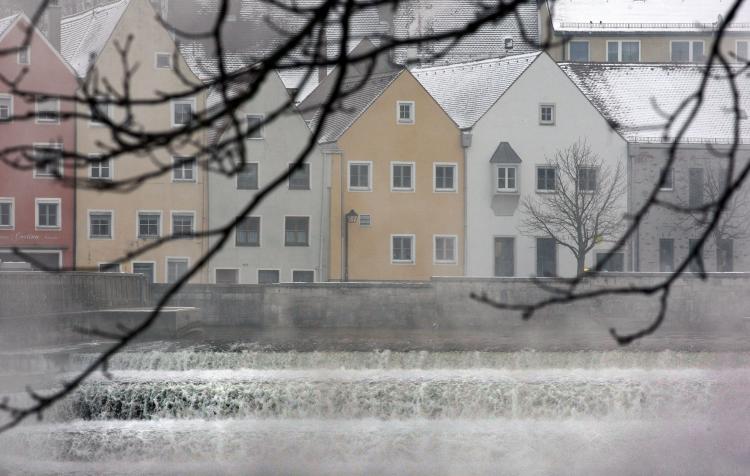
<point x="581" y="209"/>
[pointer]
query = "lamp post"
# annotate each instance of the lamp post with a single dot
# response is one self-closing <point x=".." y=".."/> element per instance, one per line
<point x="350" y="217"/>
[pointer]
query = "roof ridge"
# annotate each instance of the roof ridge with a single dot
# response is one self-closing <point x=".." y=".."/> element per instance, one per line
<point x="497" y="60"/>
<point x="91" y="11"/>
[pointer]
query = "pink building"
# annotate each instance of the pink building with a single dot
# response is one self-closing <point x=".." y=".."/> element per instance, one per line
<point x="37" y="209"/>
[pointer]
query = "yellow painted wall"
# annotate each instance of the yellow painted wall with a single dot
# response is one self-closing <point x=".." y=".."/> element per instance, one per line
<point x="157" y="194"/>
<point x="376" y="136"/>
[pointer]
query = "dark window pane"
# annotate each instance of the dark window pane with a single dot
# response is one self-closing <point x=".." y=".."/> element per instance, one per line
<point x="696" y="185"/>
<point x="615" y="262"/>
<point x="227" y="276"/>
<point x="300" y="178"/>
<point x="296" y="231"/>
<point x="303" y="276"/>
<point x="546" y="257"/>
<point x="666" y="255"/>
<point x="696" y="264"/>
<point x="247" y="178"/>
<point x="504" y="256"/>
<point x="268" y="276"/>
<point x="724" y="255"/>
<point x="146" y="269"/>
<point x="248" y="232"/>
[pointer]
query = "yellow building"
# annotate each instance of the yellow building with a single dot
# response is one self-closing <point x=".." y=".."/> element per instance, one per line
<point x="109" y="223"/>
<point x="396" y="160"/>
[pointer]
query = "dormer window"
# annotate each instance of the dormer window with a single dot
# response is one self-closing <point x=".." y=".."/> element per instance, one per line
<point x="405" y="112"/>
<point x="24" y="55"/>
<point x="509" y="43"/>
<point x="163" y="61"/>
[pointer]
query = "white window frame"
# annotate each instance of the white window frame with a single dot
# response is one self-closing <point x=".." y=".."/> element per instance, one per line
<point x="216" y="281"/>
<point x="307" y="165"/>
<point x="413" y="187"/>
<point x="138" y="224"/>
<point x="291" y="275"/>
<point x="260" y="233"/>
<point x="172" y="213"/>
<point x="39" y="201"/>
<point x="111" y="225"/>
<point x="536" y="181"/>
<point x="99" y="265"/>
<point x="544" y="122"/>
<point x="619" y="50"/>
<point x="237" y="180"/>
<point x="496" y="177"/>
<point x="413" y="260"/>
<point x="166" y="265"/>
<point x="110" y="163"/>
<point x="413" y="108"/>
<point x="453" y="165"/>
<point x="257" y="275"/>
<point x="690" y="49"/>
<point x="175" y="159"/>
<point x="12" y="202"/>
<point x="61" y="164"/>
<point x="262" y="128"/>
<point x="309" y="232"/>
<point x="588" y="50"/>
<point x="37" y="118"/>
<point x="596" y="177"/>
<point x="26" y="49"/>
<point x="737" y="50"/>
<point x="172" y="109"/>
<point x="156" y="60"/>
<point x="10" y="108"/>
<point x="435" y="259"/>
<point x="152" y="263"/>
<point x="665" y="188"/>
<point x="349" y="164"/>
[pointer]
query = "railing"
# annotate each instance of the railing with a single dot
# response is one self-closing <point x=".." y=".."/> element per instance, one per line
<point x="648" y="26"/>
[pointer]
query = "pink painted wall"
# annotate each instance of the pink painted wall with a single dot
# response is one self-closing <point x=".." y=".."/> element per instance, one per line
<point x="49" y="74"/>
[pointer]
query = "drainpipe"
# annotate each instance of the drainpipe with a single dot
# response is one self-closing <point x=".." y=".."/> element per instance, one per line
<point x="633" y="151"/>
<point x="465" y="144"/>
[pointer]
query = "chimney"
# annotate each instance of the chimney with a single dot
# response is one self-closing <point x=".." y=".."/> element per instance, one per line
<point x="323" y="69"/>
<point x="54" y="17"/>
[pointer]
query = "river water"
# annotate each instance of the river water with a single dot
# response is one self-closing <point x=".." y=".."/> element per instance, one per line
<point x="237" y="410"/>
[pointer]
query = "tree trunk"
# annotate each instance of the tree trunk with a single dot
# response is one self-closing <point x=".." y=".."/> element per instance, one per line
<point x="581" y="259"/>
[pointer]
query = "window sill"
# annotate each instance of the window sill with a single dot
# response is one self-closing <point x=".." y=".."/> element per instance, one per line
<point x="299" y="189"/>
<point x="100" y="238"/>
<point x="48" y="228"/>
<point x="450" y="263"/>
<point x="242" y="245"/>
<point x="403" y="263"/>
<point x="507" y="192"/>
<point x="293" y="245"/>
<point x="359" y="189"/>
<point x="445" y="190"/>
<point x="403" y="190"/>
<point x="546" y="192"/>
<point x="183" y="181"/>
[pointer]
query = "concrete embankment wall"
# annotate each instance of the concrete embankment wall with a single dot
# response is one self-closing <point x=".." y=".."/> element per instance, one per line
<point x="721" y="302"/>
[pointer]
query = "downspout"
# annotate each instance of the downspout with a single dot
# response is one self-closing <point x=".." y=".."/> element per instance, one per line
<point x="341" y="215"/>
<point x="635" y="254"/>
<point x="75" y="197"/>
<point x="465" y="144"/>
<point x="325" y="211"/>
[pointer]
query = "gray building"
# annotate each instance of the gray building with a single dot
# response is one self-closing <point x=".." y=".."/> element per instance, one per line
<point x="284" y="239"/>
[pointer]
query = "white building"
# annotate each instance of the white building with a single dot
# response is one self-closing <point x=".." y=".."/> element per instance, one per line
<point x="516" y="112"/>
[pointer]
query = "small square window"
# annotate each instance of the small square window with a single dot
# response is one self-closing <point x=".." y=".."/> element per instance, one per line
<point x="247" y="232"/>
<point x="547" y="114"/>
<point x="268" y="276"/>
<point x="445" y="249"/>
<point x="247" y="178"/>
<point x="445" y="178"/>
<point x="301" y="276"/>
<point x="586" y="179"/>
<point x="402" y="176"/>
<point x="506" y="179"/>
<point x="300" y="178"/>
<point x="183" y="169"/>
<point x="100" y="225"/>
<point x="546" y="179"/>
<point x="47" y="161"/>
<point x="402" y="248"/>
<point x="359" y="176"/>
<point x="149" y="225"/>
<point x="47" y="110"/>
<point x="100" y="169"/>
<point x="24" y="55"/>
<point x="182" y="112"/>
<point x="296" y="231"/>
<point x="176" y="268"/>
<point x="7" y="214"/>
<point x="405" y="112"/>
<point x="254" y="126"/>
<point x="183" y="224"/>
<point x="163" y="61"/>
<point x="48" y="214"/>
<point x="6" y="108"/>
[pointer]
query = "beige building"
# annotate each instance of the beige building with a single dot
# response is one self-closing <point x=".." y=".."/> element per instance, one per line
<point x="397" y="162"/>
<point x="641" y="31"/>
<point x="111" y="223"/>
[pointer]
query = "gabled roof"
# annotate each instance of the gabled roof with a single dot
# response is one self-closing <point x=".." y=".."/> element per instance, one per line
<point x="358" y="98"/>
<point x="644" y="15"/>
<point x="467" y="90"/>
<point x="504" y="154"/>
<point x="84" y="35"/>
<point x="636" y="97"/>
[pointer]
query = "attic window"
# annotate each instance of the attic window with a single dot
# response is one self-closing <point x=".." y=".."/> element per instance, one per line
<point x="405" y="112"/>
<point x="163" y="61"/>
<point x="547" y="114"/>
<point x="509" y="43"/>
<point x="24" y="55"/>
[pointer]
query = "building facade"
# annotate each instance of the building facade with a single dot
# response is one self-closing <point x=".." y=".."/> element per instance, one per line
<point x="111" y="223"/>
<point x="37" y="200"/>
<point x="396" y="187"/>
<point x="285" y="238"/>
<point x="627" y="31"/>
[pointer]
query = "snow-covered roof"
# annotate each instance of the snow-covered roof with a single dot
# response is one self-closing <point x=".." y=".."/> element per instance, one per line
<point x="467" y="90"/>
<point x="84" y="35"/>
<point x="356" y="100"/>
<point x="6" y="22"/>
<point x="676" y="16"/>
<point x="636" y="98"/>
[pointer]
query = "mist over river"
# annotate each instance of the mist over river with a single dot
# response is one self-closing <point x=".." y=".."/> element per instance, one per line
<point x="235" y="409"/>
